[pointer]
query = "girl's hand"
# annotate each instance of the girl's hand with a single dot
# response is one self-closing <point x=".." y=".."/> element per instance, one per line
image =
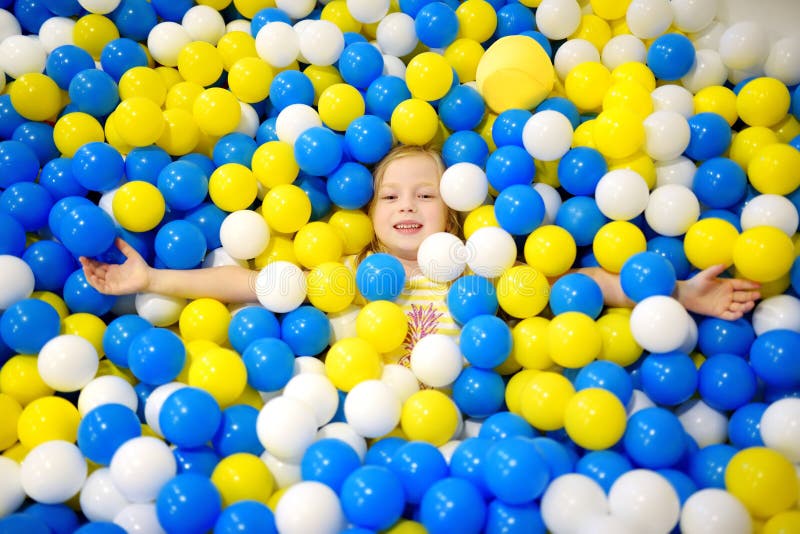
<point x="726" y="298"/>
<point x="132" y="276"/>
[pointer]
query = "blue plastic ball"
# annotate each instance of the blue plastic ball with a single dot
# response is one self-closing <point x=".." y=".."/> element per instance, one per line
<point x="172" y="11"/>
<point x="18" y="161"/>
<point x="671" y="56"/>
<point x="563" y="106"/>
<point x="198" y="460"/>
<point x="21" y="522"/>
<point x="436" y="25"/>
<point x="559" y="458"/>
<point x="672" y="249"/>
<point x="329" y="461"/>
<point x="604" y="467"/>
<point x="726" y="381"/>
<point x="479" y="392"/>
<point x="668" y="379"/>
<point x="367" y="139"/>
<point x="471" y="296"/>
<point x="452" y="505"/>
<point x="28" y="324"/>
<point x="581" y="217"/>
<point x="720" y="336"/>
<point x="513" y="19"/>
<point x="360" y="64"/>
<point x="57" y="179"/>
<point x="744" y="425"/>
<point x="515" y="472"/>
<point x="380" y="276"/>
<point x="118" y="336"/>
<point x="306" y="330"/>
<point x="180" y="245"/>
<point x="134" y="19"/>
<point x="719" y="183"/>
<point x="372" y="497"/>
<point x="265" y="16"/>
<point x="145" y="163"/>
<point x="507" y="127"/>
<point x="59" y="517"/>
<point x="98" y="166"/>
<point x="382" y="451"/>
<point x="28" y="203"/>
<point x="51" y="264"/>
<point x="350" y="187"/>
<point x="183" y="184"/>
<point x="606" y="375"/>
<point x="156" y="356"/>
<point x="188" y="503"/>
<point x="82" y="297"/>
<point x="120" y="55"/>
<point x="189" y="417"/>
<point x="384" y="94"/>
<point x="654" y="438"/>
<point x="9" y="120"/>
<point x="252" y="323"/>
<point x="63" y="8"/>
<point x="94" y="91"/>
<point x="104" y="429"/>
<point x="509" y="165"/>
<point x="12" y="236"/>
<point x="485" y="341"/>
<point x="580" y="169"/>
<point x="709" y="136"/>
<point x="647" y="274"/>
<point x="39" y="137"/>
<point x="246" y="517"/>
<point x="684" y="486"/>
<point x="31" y="14"/>
<point x="269" y="362"/>
<point x="502" y="425"/>
<point x="237" y="432"/>
<point x="418" y="465"/>
<point x="201" y="160"/>
<point x="208" y="218"/>
<point x="315" y="188"/>
<point x="468" y="462"/>
<point x="462" y="108"/>
<point x="291" y="87"/>
<point x="100" y="527"/>
<point x="773" y="358"/>
<point x="576" y="292"/>
<point x="519" y="209"/>
<point x="505" y="518"/>
<point x="707" y="466"/>
<point x="234" y="148"/>
<point x="465" y="146"/>
<point x="318" y="151"/>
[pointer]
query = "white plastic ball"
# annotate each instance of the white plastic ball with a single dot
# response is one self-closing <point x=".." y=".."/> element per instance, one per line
<point x="621" y="194"/>
<point x="308" y="365"/>
<point x="547" y="135"/>
<point x="572" y="53"/>
<point x="692" y="336"/>
<point x="552" y="201"/>
<point x="55" y="32"/>
<point x="166" y="40"/>
<point x="639" y="401"/>
<point x="703" y="423"/>
<point x="238" y="25"/>
<point x="284" y="473"/>
<point x="558" y="19"/>
<point x="244" y="234"/>
<point x="295" y="119"/>
<point x="645" y="500"/>
<point x="394" y="66"/>
<point x="343" y="323"/>
<point x="368" y="11"/>
<point x="11" y="493"/>
<point x="346" y="433"/>
<point x="17" y="282"/>
<point x="67" y="362"/>
<point x="623" y="49"/>
<point x="442" y="257"/>
<point x="744" y="45"/>
<point x="783" y="61"/>
<point x="659" y="323"/>
<point x="671" y="97"/>
<point x="292" y="515"/>
<point x="22" y="54"/>
<point x="372" y="408"/>
<point x="296" y="9"/>
<point x="219" y="257"/>
<point x="139" y="517"/>
<point x="300" y="27"/>
<point x="204" y="23"/>
<point x="780" y="427"/>
<point x="400" y="379"/>
<point x="464" y="186"/>
<point x="672" y="209"/>
<point x="286" y="427"/>
<point x="321" y="43"/>
<point x="278" y="44"/>
<point x="779" y="312"/>
<point x="141" y="466"/>
<point x="99" y="7"/>
<point x="680" y="171"/>
<point x="53" y="471"/>
<point x="248" y="122"/>
<point x="667" y="135"/>
<point x="709" y="36"/>
<point x="156" y="399"/>
<point x="318" y="392"/>
<point x="159" y="310"/>
<point x="106" y="203"/>
<point x="708" y="70"/>
<point x="436" y="360"/>
<point x="693" y="15"/>
<point x="570" y="500"/>
<point x="9" y="25"/>
<point x="648" y="18"/>
<point x="605" y="524"/>
<point x="281" y="287"/>
<point x="396" y="34"/>
<point x="100" y="500"/>
<point x="490" y="251"/>
<point x="714" y="511"/>
<point x="770" y="210"/>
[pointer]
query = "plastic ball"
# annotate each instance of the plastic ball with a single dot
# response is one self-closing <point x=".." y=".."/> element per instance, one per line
<point x="776" y="313"/>
<point x="98" y="166"/>
<point x="442" y="257"/>
<point x="104" y="429"/>
<point x="669" y="378"/>
<point x="710" y="242"/>
<point x="763" y="253"/>
<point x="35" y="96"/>
<point x="372" y="497"/>
<point x="763" y="479"/>
<point x="156" y="356"/>
<point x="289" y="515"/>
<point x="649" y="321"/>
<point x="350" y="361"/>
<point x="53" y="472"/>
<point x="286" y="427"/>
<point x="654" y="438"/>
<point x="570" y="500"/>
<point x="281" y="274"/>
<point x="464" y="186"/>
<point x="414" y="122"/>
<point x="744" y="45"/>
<point x="710" y="136"/>
<point x="67" y="362"/>
<point x="776" y="426"/>
<point x="714" y="508"/>
<point x="452" y="504"/>
<point x="594" y="418"/>
<point x="269" y="363"/>
<point x="107" y="389"/>
<point x="547" y="135"/>
<point x="380" y="277"/>
<point x="667" y="135"/>
<point x="286" y="208"/>
<point x="329" y="461"/>
<point x="138" y="206"/>
<point x="429" y="415"/>
<point x="770" y="210"/>
<point x="726" y="382"/>
<point x="642" y="497"/>
<point x="188" y="501"/>
<point x="436" y="360"/>
<point x="646" y="274"/>
<point x="140" y="467"/>
<point x="769" y="358"/>
<point x="27" y="325"/>
<point x="316" y="390"/>
<point x="618" y="133"/>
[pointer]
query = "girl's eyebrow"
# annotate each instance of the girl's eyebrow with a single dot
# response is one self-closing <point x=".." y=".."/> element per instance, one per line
<point x="397" y="184"/>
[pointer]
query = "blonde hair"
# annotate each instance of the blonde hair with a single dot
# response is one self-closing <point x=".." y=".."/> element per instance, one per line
<point x="453" y="224"/>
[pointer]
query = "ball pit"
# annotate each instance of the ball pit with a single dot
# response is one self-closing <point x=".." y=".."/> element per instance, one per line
<point x="651" y="139"/>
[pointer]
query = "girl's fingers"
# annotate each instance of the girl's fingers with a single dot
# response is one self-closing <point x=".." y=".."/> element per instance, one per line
<point x="742" y="284"/>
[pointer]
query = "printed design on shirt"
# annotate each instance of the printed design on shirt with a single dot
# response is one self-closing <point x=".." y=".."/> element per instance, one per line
<point x="422" y="320"/>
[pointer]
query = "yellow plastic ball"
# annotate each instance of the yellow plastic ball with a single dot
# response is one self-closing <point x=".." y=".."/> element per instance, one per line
<point x="383" y="324"/>
<point x="763" y="253"/>
<point x="634" y="71"/>
<point x="200" y="62"/>
<point x="249" y="79"/>
<point x="143" y="82"/>
<point x="516" y="385"/>
<point x="170" y="76"/>
<point x="47" y="419"/>
<point x="480" y="217"/>
<point x="221" y="372"/>
<point x="547" y="172"/>
<point x="530" y="343"/>
<point x="279" y="248"/>
<point x="88" y="326"/>
<point x="205" y="318"/>
<point x="232" y="187"/>
<point x="322" y="77"/>
<point x="584" y="135"/>
<point x="352" y="360"/>
<point x="273" y="163"/>
<point x="138" y="206"/>
<point x="631" y="96"/>
<point x="593" y="29"/>
<point x="429" y="415"/>
<point x="508" y="367"/>
<point x="763" y="479"/>
<point x="355" y="229"/>
<point x="610" y="9"/>
<point x="414" y="122"/>
<point x="74" y="130"/>
<point x="477" y="20"/>
<point x="234" y="46"/>
<point x="783" y="523"/>
<point x="573" y="339"/>
<point x="595" y="418"/>
<point x="11" y="411"/>
<point x="20" y="378"/>
<point x="787" y="129"/>
<point x="406" y="526"/>
<point x="219" y="5"/>
<point x="773" y="169"/>
<point x="181" y="134"/>
<point x="710" y="242"/>
<point x="243" y="476"/>
<point x="139" y="121"/>
<point x="484" y="129"/>
<point x="763" y="102"/>
<point x="331" y="286"/>
<point x="544" y="399"/>
<point x="429" y="76"/>
<point x="93" y="32"/>
<point x="618" y="344"/>
<point x="286" y="208"/>
<point x="338" y="13"/>
<point x="248" y="8"/>
<point x="339" y="105"/>
<point x="54" y="300"/>
<point x="317" y="242"/>
<point x="586" y="84"/>
<point x="182" y="95"/>
<point x="617" y="241"/>
<point x="523" y="291"/>
<point x="464" y="55"/>
<point x="113" y="136"/>
<point x="551" y="250"/>
<point x="35" y="96"/>
<point x="217" y="111"/>
<point x="717" y="99"/>
<point x="618" y="133"/>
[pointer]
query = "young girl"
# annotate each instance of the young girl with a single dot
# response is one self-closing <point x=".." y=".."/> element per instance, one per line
<point x="406" y="208"/>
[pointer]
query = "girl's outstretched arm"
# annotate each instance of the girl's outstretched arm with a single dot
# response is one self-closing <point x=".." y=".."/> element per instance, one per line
<point x="230" y="284"/>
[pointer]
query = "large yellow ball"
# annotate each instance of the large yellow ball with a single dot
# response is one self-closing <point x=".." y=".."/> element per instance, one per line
<point x="550" y="249"/>
<point x="615" y="242"/>
<point x="763" y="102"/>
<point x="429" y="415"/>
<point x="530" y="343"/>
<point x="286" y="208"/>
<point x="544" y="399"/>
<point x="88" y="326"/>
<point x="339" y="105"/>
<point x="464" y="55"/>
<point x="618" y="344"/>
<point x="250" y="78"/>
<point x="48" y="419"/>
<point x="93" y="32"/>
<point x="586" y="85"/>
<point x="143" y="82"/>
<point x="414" y="122"/>
<point x="232" y="187"/>
<point x="74" y="130"/>
<point x="221" y="372"/>
<point x="139" y="121"/>
<point x="352" y="360"/>
<point x="710" y="242"/>
<point x="217" y="111"/>
<point x="618" y="132"/>
<point x="355" y="227"/>
<point x="773" y="169"/>
<point x="273" y="163"/>
<point x="763" y="479"/>
<point x="383" y="324"/>
<point x="35" y="96"/>
<point x="573" y="339"/>
<point x="243" y="476"/>
<point x="20" y="378"/>
<point x="317" y="242"/>
<point x="429" y="76"/>
<point x="331" y="286"/>
<point x="181" y="134"/>
<point x="138" y="206"/>
<point x="523" y="291"/>
<point x="205" y="318"/>
<point x="595" y="419"/>
<point x="763" y="253"/>
<point x="200" y="62"/>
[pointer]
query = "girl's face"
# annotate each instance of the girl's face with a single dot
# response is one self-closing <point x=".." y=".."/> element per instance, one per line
<point x="407" y="206"/>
